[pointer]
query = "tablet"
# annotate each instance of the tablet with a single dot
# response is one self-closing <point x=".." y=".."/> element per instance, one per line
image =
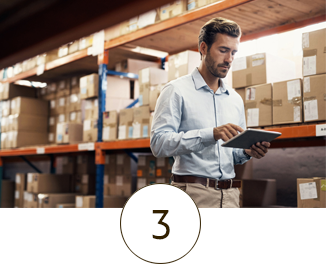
<point x="249" y="137"/>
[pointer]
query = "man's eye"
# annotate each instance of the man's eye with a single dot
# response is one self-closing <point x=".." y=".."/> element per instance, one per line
<point x="223" y="51"/>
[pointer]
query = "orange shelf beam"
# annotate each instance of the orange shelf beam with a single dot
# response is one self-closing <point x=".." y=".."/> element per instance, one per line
<point x="284" y="28"/>
<point x="124" y="144"/>
<point x="174" y="22"/>
<point x="48" y="66"/>
<point x="304" y="131"/>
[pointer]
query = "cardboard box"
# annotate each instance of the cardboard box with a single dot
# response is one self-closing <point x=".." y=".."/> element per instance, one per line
<point x="173" y="9"/>
<point x="30" y="200"/>
<point x="314" y="92"/>
<point x="91" y="109"/>
<point x="63" y="50"/>
<point x="48" y="183"/>
<point x="25" y="122"/>
<point x="146" y="166"/>
<point x="128" y="26"/>
<point x="258" y="193"/>
<point x="60" y="107"/>
<point x="287" y="102"/>
<point x="121" y="186"/>
<point x="4" y="137"/>
<point x="110" y="126"/>
<point x="258" y="105"/>
<point x="118" y="87"/>
<point x="125" y="124"/>
<point x="20" y="187"/>
<point x="164" y="167"/>
<point x="51" y="55"/>
<point x="75" y="117"/>
<point x="112" y="32"/>
<point x="108" y="201"/>
<point x="182" y="64"/>
<point x="314" y="57"/>
<point x="116" y="104"/>
<point x="69" y="133"/>
<point x="29" y="106"/>
<point x="73" y="47"/>
<point x="90" y="133"/>
<point x="153" y="96"/>
<point x="86" y="165"/>
<point x="141" y="122"/>
<point x="261" y="68"/>
<point x="242" y="93"/>
<point x="110" y="167"/>
<point x="88" y="86"/>
<point x="10" y="91"/>
<point x="85" y="184"/>
<point x="149" y="77"/>
<point x="74" y="85"/>
<point x="5" y="124"/>
<point x="51" y="200"/>
<point x="85" y="42"/>
<point x="74" y="102"/>
<point x="52" y="124"/>
<point x="7" y="194"/>
<point x="52" y="137"/>
<point x="311" y="192"/>
<point x="194" y="4"/>
<point x="123" y="166"/>
<point x="141" y="182"/>
<point x="6" y="110"/>
<point x="26" y="138"/>
<point x="148" y="18"/>
<point x="85" y="201"/>
<point x="68" y="164"/>
<point x="53" y="104"/>
<point x="66" y="205"/>
<point x="134" y="66"/>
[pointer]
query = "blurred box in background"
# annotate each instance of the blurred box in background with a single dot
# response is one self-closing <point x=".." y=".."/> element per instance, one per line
<point x="311" y="192"/>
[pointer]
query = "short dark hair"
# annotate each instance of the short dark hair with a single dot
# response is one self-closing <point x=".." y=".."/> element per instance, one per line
<point x="208" y="32"/>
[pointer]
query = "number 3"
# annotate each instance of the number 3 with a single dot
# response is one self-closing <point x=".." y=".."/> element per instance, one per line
<point x="165" y="212"/>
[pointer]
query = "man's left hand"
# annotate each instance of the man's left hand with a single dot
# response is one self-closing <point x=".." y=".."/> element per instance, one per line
<point x="259" y="150"/>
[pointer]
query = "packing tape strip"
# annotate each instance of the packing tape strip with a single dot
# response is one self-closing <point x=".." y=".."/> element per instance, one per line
<point x="266" y="101"/>
<point x="310" y="98"/>
<point x="296" y="101"/>
<point x="250" y="105"/>
<point x="277" y="102"/>
<point x="311" y="52"/>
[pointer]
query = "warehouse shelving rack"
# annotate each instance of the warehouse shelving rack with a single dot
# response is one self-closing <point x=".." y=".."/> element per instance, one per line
<point x="257" y="18"/>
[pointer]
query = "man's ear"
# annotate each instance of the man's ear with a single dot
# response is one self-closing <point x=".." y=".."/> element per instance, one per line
<point x="203" y="48"/>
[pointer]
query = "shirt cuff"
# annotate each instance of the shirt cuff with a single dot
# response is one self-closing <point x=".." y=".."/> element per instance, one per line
<point x="207" y="135"/>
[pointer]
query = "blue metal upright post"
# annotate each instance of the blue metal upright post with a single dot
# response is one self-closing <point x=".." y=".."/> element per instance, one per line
<point x="101" y="109"/>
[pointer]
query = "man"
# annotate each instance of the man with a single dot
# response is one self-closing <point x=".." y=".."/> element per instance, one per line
<point x="196" y="113"/>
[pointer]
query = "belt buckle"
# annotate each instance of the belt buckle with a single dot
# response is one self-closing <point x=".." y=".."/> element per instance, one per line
<point x="216" y="184"/>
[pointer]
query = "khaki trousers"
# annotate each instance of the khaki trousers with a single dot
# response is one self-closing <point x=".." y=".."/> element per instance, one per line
<point x="208" y="197"/>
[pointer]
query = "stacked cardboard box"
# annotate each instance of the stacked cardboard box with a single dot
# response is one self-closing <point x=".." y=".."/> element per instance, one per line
<point x="27" y="122"/>
<point x="148" y="78"/>
<point x="90" y="122"/>
<point x="108" y="201"/>
<point x="164" y="169"/>
<point x="314" y="70"/>
<point x="117" y="178"/>
<point x="182" y="64"/>
<point x="153" y="96"/>
<point x="146" y="170"/>
<point x="260" y="69"/>
<point x="258" y="105"/>
<point x="311" y="192"/>
<point x="21" y="186"/>
<point x="48" y="183"/>
<point x="7" y="194"/>
<point x="126" y="117"/>
<point x="30" y="200"/>
<point x="134" y="66"/>
<point x="173" y="9"/>
<point x="110" y="126"/>
<point x="287" y="102"/>
<point x="50" y="200"/>
<point x="88" y="86"/>
<point x="194" y="4"/>
<point x="140" y="122"/>
<point x="9" y="91"/>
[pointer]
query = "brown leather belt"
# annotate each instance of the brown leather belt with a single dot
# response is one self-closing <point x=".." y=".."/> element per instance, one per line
<point x="217" y="184"/>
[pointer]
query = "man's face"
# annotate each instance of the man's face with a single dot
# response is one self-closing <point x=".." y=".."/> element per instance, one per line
<point x="219" y="58"/>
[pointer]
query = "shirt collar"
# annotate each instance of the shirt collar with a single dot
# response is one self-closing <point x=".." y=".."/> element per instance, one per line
<point x="200" y="82"/>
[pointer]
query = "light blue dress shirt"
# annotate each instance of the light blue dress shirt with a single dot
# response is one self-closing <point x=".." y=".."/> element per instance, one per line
<point x="186" y="112"/>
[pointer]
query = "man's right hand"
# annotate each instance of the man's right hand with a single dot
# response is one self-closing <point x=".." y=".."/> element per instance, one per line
<point x="226" y="132"/>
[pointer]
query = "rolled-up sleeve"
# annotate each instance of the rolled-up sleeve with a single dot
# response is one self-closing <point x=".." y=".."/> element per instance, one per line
<point x="166" y="140"/>
<point x="238" y="155"/>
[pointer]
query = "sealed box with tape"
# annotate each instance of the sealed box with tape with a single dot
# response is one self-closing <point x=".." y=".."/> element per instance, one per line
<point x="140" y="122"/>
<point x="314" y="56"/>
<point x="287" y="102"/>
<point x="311" y="192"/>
<point x="261" y="68"/>
<point x="258" y="105"/>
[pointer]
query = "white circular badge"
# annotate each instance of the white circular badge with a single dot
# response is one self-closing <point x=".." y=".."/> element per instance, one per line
<point x="160" y="223"/>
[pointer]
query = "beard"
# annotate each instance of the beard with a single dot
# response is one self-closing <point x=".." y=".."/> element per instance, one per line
<point x="212" y="67"/>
